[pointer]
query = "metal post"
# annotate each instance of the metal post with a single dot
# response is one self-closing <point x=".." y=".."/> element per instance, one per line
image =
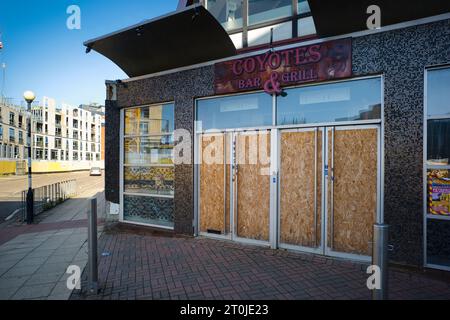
<point x="380" y="259"/>
<point x="92" y="245"/>
<point x="30" y="197"/>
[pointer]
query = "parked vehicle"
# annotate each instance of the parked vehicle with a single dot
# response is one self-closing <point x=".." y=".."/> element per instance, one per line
<point x="95" y="171"/>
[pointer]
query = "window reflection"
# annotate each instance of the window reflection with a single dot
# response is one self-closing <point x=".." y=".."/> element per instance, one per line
<point x="149" y="172"/>
<point x="438" y="93"/>
<point x="260" y="36"/>
<point x="149" y="120"/>
<point x="149" y="150"/>
<point x="242" y="111"/>
<point x="344" y="101"/>
<point x="266" y="10"/>
<point x="228" y="12"/>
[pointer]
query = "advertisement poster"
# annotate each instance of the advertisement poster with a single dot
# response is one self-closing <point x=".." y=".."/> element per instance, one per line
<point x="439" y="193"/>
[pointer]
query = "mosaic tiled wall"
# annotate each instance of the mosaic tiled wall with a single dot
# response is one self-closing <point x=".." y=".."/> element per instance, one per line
<point x="149" y="210"/>
<point x="401" y="56"/>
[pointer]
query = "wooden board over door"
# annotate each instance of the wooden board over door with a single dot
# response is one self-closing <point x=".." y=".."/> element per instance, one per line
<point x="214" y="189"/>
<point x="253" y="185"/>
<point x="355" y="189"/>
<point x="297" y="205"/>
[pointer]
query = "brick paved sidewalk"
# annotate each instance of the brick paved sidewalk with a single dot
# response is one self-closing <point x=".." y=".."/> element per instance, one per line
<point x="157" y="266"/>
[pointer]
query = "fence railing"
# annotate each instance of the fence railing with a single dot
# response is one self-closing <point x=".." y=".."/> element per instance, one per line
<point x="48" y="197"/>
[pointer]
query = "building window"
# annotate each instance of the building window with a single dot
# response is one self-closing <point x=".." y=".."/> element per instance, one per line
<point x="266" y="10"/>
<point x="437" y="168"/>
<point x="20" y="137"/>
<point x="240" y="111"/>
<point x="12" y="119"/>
<point x="54" y="154"/>
<point x="252" y="22"/>
<point x="149" y="169"/>
<point x="228" y="13"/>
<point x="343" y="101"/>
<point x="1" y="132"/>
<point x="12" y="135"/>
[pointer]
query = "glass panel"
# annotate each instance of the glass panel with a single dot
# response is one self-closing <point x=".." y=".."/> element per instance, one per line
<point x="303" y="7"/>
<point x="149" y="120"/>
<point x="438" y="244"/>
<point x="228" y="12"/>
<point x="237" y="40"/>
<point x="438" y="137"/>
<point x="149" y="180"/>
<point x="344" y="101"/>
<point x="149" y="150"/>
<point x="438" y="182"/>
<point x="260" y="36"/>
<point x="242" y="111"/>
<point x="266" y="10"/>
<point x="306" y="27"/>
<point x="438" y="93"/>
<point x="149" y="210"/>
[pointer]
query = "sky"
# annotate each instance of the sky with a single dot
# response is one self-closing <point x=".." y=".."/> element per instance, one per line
<point x="41" y="54"/>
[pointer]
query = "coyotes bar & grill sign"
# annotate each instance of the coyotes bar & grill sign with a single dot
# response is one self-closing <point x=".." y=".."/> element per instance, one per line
<point x="274" y="70"/>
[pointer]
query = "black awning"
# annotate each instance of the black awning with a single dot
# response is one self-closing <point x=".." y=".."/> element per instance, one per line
<point x="335" y="17"/>
<point x="182" y="38"/>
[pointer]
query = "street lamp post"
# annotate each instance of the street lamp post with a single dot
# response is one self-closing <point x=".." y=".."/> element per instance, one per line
<point x="29" y="98"/>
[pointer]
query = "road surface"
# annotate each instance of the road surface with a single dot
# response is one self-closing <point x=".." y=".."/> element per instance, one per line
<point x="12" y="186"/>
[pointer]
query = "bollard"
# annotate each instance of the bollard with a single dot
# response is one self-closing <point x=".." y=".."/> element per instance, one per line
<point x="92" y="245"/>
<point x="380" y="259"/>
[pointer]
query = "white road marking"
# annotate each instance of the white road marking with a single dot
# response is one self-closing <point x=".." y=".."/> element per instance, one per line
<point x="12" y="214"/>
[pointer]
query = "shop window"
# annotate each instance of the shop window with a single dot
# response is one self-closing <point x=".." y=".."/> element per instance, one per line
<point x="149" y="169"/>
<point x="241" y="111"/>
<point x="437" y="168"/>
<point x="266" y="10"/>
<point x="228" y="12"/>
<point x="344" y="101"/>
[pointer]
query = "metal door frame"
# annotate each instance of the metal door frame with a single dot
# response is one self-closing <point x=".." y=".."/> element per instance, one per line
<point x="233" y="199"/>
<point x="275" y="177"/>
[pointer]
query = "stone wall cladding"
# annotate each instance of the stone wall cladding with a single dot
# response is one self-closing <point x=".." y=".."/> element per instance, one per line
<point x="182" y="88"/>
<point x="112" y="151"/>
<point x="401" y="56"/>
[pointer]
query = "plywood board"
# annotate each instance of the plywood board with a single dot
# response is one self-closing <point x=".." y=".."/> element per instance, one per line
<point x="355" y="190"/>
<point x="213" y="192"/>
<point x="297" y="201"/>
<point x="253" y="186"/>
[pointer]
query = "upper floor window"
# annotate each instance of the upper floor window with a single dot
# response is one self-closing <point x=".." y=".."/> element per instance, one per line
<point x="266" y="10"/>
<point x="228" y="13"/>
<point x="258" y="22"/>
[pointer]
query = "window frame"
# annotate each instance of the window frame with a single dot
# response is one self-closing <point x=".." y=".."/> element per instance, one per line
<point x="246" y="27"/>
<point x="123" y="165"/>
<point x="426" y="167"/>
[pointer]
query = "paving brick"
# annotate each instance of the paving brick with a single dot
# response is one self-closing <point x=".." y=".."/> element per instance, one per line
<point x="160" y="268"/>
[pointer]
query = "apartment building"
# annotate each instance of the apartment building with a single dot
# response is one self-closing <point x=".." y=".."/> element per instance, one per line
<point x="65" y="134"/>
<point x="13" y="126"/>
